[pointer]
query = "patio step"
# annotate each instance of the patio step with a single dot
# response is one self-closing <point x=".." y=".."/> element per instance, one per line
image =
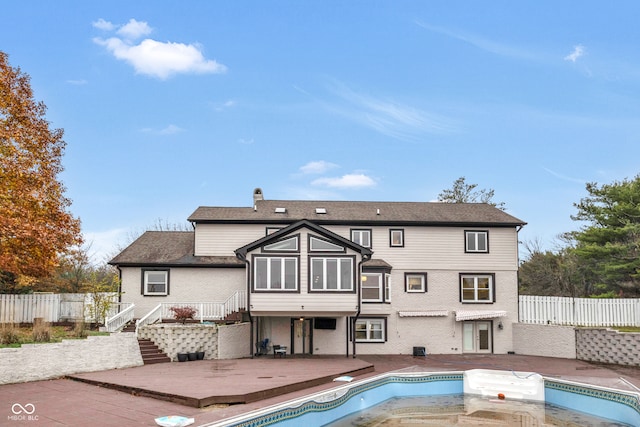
<point x="151" y="353"/>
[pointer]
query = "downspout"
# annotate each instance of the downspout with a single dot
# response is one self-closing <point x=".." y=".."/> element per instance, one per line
<point x="355" y="318"/>
<point x="241" y="257"/>
<point x="119" y="283"/>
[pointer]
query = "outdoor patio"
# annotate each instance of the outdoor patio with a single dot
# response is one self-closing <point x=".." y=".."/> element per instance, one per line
<point x="66" y="402"/>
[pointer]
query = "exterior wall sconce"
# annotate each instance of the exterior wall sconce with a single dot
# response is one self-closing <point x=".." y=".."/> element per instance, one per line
<point x="500" y="326"/>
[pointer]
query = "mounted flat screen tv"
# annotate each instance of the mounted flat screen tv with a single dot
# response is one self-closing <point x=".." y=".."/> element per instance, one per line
<point x="324" y="323"/>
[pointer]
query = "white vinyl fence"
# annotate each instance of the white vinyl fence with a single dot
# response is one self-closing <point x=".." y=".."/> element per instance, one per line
<point x="50" y="307"/>
<point x="568" y="311"/>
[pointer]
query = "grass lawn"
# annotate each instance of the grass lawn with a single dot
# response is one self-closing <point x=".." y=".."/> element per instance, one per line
<point x="13" y="336"/>
<point x="627" y="329"/>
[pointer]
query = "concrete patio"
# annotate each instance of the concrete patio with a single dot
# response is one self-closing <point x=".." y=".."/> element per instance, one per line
<point x="136" y="396"/>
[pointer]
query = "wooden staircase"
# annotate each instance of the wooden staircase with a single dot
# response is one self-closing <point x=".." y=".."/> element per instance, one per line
<point x="151" y="353"/>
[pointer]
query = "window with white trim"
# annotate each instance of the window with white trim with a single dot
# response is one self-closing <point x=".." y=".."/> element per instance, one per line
<point x="321" y="245"/>
<point x="396" y="238"/>
<point x="370" y="330"/>
<point x="372" y="287"/>
<point x="361" y="237"/>
<point x="331" y="274"/>
<point x="155" y="282"/>
<point x="415" y="282"/>
<point x="476" y="241"/>
<point x="477" y="288"/>
<point x="285" y="245"/>
<point x="387" y="287"/>
<point x="275" y="274"/>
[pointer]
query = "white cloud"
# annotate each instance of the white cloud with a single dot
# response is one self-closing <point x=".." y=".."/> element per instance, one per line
<point x="578" y="51"/>
<point x="225" y="105"/>
<point x="134" y="29"/>
<point x="77" y="82"/>
<point x="356" y="180"/>
<point x="153" y="58"/>
<point x="169" y="130"/>
<point x="482" y="43"/>
<point x="101" y="24"/>
<point x="564" y="177"/>
<point x="317" y="167"/>
<point x="246" y="141"/>
<point x="390" y="118"/>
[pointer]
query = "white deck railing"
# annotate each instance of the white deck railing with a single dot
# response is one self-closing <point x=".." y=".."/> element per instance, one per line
<point x="124" y="315"/>
<point x="205" y="311"/>
<point x="597" y="312"/>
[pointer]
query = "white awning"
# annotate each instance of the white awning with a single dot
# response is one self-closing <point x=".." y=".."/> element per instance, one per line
<point x="427" y="313"/>
<point x="479" y="314"/>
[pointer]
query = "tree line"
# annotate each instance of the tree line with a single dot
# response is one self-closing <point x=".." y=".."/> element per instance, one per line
<point x="41" y="246"/>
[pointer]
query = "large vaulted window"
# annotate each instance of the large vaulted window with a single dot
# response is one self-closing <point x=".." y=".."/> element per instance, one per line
<point x="276" y="274"/>
<point x="332" y="274"/>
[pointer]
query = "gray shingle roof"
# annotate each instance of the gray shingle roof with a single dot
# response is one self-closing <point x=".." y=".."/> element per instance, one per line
<point x="169" y="248"/>
<point x="398" y="213"/>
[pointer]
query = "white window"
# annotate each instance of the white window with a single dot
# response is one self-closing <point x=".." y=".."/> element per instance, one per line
<point x="372" y="287"/>
<point x="387" y="287"/>
<point x="476" y="241"/>
<point x="370" y="330"/>
<point x="415" y="282"/>
<point x="156" y="282"/>
<point x="320" y="245"/>
<point x="396" y="238"/>
<point x="286" y="245"/>
<point x="476" y="288"/>
<point x="361" y="237"/>
<point x="331" y="274"/>
<point x="276" y="274"/>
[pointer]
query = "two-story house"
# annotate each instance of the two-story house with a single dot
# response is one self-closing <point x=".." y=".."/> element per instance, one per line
<point x="342" y="277"/>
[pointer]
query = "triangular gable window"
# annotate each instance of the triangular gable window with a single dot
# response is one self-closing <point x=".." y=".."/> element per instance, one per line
<point x="286" y="245"/>
<point x="321" y="245"/>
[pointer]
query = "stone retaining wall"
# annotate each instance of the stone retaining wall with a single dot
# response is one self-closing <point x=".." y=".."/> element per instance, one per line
<point x="608" y="346"/>
<point x="174" y="338"/>
<point x="217" y="341"/>
<point x="34" y="362"/>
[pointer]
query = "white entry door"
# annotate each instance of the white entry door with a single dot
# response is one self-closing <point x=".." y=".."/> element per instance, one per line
<point x="476" y="337"/>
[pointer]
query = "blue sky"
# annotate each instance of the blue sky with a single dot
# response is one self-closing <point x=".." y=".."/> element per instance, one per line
<point x="168" y="106"/>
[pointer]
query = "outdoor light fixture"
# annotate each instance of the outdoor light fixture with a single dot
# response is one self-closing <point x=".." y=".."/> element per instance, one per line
<point x="500" y="326"/>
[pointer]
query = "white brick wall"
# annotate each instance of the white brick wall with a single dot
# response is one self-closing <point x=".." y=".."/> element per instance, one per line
<point x="34" y="362"/>
<point x="544" y="340"/>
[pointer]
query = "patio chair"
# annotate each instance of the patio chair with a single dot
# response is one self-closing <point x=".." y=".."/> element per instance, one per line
<point x="279" y="350"/>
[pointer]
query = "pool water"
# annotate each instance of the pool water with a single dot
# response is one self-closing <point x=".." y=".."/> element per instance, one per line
<point x="461" y="410"/>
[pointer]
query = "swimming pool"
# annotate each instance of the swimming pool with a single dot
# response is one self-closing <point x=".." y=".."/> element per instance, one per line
<point x="321" y="408"/>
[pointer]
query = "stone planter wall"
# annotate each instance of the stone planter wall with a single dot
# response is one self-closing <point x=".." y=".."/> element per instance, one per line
<point x="34" y="362"/>
<point x="174" y="338"/>
<point x="217" y="341"/>
<point x="608" y="346"/>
